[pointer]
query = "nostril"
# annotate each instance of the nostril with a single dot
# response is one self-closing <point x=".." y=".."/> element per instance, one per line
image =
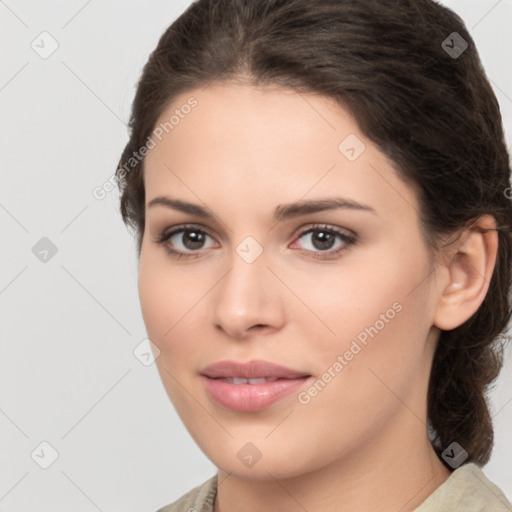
<point x="258" y="326"/>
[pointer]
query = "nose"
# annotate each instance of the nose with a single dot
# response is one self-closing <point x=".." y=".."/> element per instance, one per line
<point x="248" y="299"/>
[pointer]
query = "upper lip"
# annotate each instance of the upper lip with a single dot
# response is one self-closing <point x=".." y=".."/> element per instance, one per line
<point x="250" y="370"/>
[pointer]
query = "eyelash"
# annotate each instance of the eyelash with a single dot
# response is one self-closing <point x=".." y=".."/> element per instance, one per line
<point x="349" y="240"/>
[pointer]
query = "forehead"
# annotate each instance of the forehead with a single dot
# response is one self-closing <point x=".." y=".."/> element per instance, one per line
<point x="262" y="142"/>
<point x="263" y="121"/>
<point x="226" y="107"/>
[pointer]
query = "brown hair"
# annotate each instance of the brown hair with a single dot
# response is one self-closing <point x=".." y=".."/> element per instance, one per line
<point x="430" y="110"/>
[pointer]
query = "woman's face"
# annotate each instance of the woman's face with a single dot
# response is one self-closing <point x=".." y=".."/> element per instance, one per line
<point x="348" y="306"/>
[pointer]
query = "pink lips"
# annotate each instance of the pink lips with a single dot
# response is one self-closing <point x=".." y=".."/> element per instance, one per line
<point x="250" y="397"/>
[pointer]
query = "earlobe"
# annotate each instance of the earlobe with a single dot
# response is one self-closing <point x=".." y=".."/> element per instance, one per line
<point x="469" y="274"/>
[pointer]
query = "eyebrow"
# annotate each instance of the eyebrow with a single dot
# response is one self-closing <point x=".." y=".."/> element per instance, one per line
<point x="282" y="211"/>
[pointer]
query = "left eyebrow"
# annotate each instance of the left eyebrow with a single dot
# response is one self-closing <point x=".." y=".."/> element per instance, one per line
<point x="282" y="212"/>
<point x="288" y="211"/>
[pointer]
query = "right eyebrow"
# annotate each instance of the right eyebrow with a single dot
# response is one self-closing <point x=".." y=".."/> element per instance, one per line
<point x="182" y="206"/>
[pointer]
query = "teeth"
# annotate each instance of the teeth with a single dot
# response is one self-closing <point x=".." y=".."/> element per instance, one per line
<point x="241" y="380"/>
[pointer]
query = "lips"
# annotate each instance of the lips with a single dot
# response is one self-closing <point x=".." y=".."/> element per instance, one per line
<point x="251" y="386"/>
<point x="255" y="369"/>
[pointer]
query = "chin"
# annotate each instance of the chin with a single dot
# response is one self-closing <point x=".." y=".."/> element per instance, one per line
<point x="245" y="460"/>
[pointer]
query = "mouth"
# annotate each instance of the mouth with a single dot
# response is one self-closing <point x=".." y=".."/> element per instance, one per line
<point x="242" y="380"/>
<point x="251" y="370"/>
<point x="252" y="386"/>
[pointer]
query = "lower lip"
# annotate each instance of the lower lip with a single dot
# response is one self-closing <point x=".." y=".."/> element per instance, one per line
<point x="250" y="397"/>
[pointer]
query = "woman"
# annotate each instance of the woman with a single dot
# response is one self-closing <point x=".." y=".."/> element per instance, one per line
<point x="319" y="195"/>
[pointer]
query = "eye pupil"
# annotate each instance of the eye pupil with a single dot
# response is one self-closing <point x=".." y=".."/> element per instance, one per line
<point x="324" y="238"/>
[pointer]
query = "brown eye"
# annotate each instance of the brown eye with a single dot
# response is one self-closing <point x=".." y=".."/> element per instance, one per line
<point x="322" y="240"/>
<point x="185" y="241"/>
<point x="192" y="240"/>
<point x="325" y="239"/>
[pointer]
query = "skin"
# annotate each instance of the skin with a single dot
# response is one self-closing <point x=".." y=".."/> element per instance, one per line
<point x="361" y="443"/>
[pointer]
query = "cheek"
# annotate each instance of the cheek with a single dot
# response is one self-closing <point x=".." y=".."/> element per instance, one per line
<point x="173" y="305"/>
<point x="373" y="311"/>
<point x="169" y="309"/>
<point x="163" y="297"/>
<point x="355" y="397"/>
<point x="154" y="299"/>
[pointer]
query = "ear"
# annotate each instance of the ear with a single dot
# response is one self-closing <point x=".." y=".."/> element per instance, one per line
<point x="469" y="269"/>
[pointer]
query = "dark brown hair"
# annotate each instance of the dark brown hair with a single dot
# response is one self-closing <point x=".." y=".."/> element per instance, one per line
<point x="432" y="111"/>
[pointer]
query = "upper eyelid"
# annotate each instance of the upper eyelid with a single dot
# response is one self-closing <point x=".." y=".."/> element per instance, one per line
<point x="188" y="227"/>
<point x="317" y="226"/>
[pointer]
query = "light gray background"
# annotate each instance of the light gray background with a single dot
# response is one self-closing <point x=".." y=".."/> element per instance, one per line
<point x="68" y="375"/>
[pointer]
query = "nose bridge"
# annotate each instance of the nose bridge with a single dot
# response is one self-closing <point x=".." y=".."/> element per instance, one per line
<point x="248" y="294"/>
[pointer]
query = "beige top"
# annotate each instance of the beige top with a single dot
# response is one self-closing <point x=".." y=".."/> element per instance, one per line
<point x="467" y="489"/>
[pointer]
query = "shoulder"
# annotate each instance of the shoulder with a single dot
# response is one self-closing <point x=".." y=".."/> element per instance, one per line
<point x="199" y="499"/>
<point x="467" y="489"/>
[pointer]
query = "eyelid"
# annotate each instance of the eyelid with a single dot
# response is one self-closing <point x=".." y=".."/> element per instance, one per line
<point x="299" y="231"/>
<point x="317" y="226"/>
<point x="350" y="239"/>
<point x="168" y="232"/>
